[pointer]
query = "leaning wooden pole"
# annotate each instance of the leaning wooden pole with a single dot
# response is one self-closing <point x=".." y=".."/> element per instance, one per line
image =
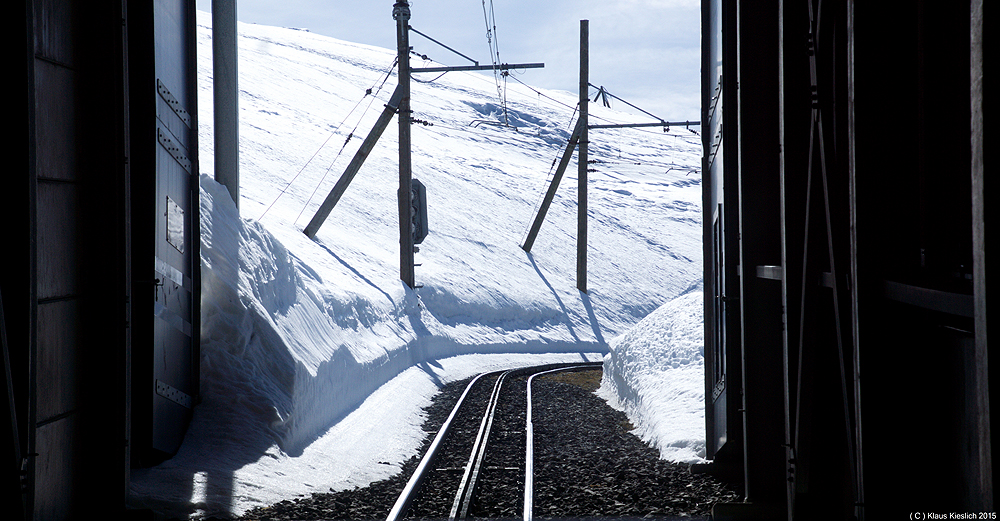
<point x="401" y="13"/>
<point x="352" y="169"/>
<point x="553" y="186"/>
<point x="581" y="234"/>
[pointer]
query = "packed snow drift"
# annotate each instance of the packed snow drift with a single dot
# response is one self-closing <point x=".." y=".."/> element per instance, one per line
<point x="656" y="374"/>
<point x="316" y="358"/>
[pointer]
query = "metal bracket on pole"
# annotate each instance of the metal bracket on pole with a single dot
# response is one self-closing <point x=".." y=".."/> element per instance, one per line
<point x="665" y="124"/>
<point x="352" y="169"/>
<point x="443" y="45"/>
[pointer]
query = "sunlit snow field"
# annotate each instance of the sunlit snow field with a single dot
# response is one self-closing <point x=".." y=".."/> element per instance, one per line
<point x="317" y="359"/>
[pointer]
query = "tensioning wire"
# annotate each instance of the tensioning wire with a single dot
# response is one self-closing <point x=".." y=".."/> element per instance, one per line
<point x="349" y="136"/>
<point x="289" y="184"/>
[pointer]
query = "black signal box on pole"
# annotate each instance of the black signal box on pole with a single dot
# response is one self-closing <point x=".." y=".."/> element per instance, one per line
<point x="418" y="211"/>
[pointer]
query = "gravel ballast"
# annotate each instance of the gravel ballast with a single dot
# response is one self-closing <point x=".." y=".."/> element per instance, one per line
<point x="587" y="464"/>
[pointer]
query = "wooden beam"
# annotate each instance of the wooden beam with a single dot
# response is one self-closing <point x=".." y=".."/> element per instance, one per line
<point x="352" y="169"/>
<point x="551" y="192"/>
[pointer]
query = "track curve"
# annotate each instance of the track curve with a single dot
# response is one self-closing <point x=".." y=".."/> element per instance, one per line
<point x="501" y="397"/>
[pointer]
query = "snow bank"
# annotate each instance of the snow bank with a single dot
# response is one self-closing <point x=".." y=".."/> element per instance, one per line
<point x="655" y="373"/>
<point x="316" y="358"/>
<point x="279" y="346"/>
<point x="270" y="339"/>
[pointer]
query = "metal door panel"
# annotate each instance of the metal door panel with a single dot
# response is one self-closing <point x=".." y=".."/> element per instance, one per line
<point x="716" y="352"/>
<point x="172" y="52"/>
<point x="172" y="400"/>
<point x="175" y="261"/>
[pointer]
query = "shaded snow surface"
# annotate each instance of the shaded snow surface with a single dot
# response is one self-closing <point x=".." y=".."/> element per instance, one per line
<point x="316" y="359"/>
<point x="655" y="373"/>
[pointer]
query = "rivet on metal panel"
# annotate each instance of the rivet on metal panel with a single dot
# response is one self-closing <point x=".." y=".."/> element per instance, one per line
<point x="173" y="103"/>
<point x="175" y="151"/>
<point x="173" y="394"/>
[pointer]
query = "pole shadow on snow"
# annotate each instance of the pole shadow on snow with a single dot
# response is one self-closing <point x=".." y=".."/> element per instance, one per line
<point x="569" y="323"/>
<point x="425" y="366"/>
<point x="351" y="268"/>
<point x="593" y="320"/>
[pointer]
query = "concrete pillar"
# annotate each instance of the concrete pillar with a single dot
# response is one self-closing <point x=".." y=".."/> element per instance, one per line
<point x="226" y="93"/>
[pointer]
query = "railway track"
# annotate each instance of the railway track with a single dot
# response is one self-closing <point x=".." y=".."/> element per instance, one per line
<point x="586" y="463"/>
<point x="459" y="476"/>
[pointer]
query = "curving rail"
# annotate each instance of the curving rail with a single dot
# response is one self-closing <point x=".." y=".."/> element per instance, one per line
<point x="466" y="489"/>
<point x="406" y="497"/>
<point x="529" y="443"/>
<point x="463" y="498"/>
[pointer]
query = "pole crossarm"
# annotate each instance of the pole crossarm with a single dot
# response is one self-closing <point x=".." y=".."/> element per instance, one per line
<point x="503" y="67"/>
<point x="660" y="124"/>
<point x="352" y="169"/>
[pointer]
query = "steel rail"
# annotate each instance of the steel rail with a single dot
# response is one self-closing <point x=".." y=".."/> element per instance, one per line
<point x="529" y="443"/>
<point x="463" y="497"/>
<point x="408" y="493"/>
<point x="466" y="490"/>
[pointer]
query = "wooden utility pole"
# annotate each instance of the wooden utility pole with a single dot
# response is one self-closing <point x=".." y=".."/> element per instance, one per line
<point x="581" y="227"/>
<point x="399" y="103"/>
<point x="580" y="137"/>
<point x="401" y="13"/>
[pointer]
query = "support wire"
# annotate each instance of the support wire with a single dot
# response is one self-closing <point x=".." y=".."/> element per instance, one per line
<point x="318" y="150"/>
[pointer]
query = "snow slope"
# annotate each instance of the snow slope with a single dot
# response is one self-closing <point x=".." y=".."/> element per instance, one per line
<point x="316" y="358"/>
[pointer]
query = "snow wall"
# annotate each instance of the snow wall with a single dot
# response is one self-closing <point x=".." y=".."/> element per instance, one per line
<point x="282" y="349"/>
<point x="655" y="373"/>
